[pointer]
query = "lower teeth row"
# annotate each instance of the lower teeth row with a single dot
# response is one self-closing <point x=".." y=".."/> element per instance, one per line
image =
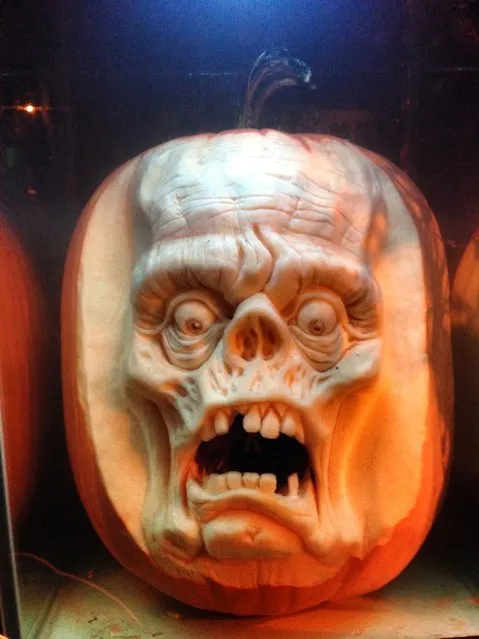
<point x="233" y="480"/>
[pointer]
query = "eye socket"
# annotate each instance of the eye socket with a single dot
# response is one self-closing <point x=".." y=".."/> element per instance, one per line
<point x="193" y="318"/>
<point x="316" y="318"/>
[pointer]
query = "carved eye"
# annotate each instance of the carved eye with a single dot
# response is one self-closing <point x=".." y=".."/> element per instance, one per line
<point x="193" y="318"/>
<point x="316" y="318"/>
<point x="318" y="331"/>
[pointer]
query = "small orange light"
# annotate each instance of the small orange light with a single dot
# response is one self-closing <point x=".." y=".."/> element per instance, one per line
<point x="29" y="108"/>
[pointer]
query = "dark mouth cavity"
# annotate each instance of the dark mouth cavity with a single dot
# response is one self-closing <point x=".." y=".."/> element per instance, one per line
<point x="251" y="453"/>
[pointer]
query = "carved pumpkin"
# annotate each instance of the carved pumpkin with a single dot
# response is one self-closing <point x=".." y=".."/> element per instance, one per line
<point x="465" y="318"/>
<point x="20" y="356"/>
<point x="256" y="365"/>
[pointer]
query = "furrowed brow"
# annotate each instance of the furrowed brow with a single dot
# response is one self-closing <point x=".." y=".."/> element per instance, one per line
<point x="233" y="267"/>
<point x="303" y="266"/>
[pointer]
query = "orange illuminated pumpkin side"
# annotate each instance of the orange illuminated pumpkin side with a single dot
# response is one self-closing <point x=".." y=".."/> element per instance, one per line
<point x="21" y="339"/>
<point x="257" y="369"/>
<point x="465" y="323"/>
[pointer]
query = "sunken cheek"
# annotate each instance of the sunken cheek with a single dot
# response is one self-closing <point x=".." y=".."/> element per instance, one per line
<point x="147" y="368"/>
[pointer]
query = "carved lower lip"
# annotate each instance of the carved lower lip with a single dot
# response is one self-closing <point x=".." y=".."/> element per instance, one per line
<point x="298" y="514"/>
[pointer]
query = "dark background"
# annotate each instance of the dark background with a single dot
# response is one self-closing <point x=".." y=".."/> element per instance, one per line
<point x="122" y="76"/>
<point x="115" y="77"/>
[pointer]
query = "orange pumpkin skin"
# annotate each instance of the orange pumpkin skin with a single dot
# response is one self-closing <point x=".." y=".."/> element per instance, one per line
<point x="383" y="561"/>
<point x="21" y="344"/>
<point x="465" y="325"/>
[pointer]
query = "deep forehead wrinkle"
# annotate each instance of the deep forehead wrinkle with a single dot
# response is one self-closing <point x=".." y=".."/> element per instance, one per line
<point x="235" y="180"/>
<point x="234" y="266"/>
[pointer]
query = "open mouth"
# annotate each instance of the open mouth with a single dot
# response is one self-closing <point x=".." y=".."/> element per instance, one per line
<point x="257" y="446"/>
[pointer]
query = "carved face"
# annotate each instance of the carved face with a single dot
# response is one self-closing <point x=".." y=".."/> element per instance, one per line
<point x="248" y="382"/>
<point x="275" y="370"/>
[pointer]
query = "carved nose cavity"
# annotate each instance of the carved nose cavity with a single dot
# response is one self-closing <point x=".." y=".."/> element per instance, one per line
<point x="257" y="337"/>
<point x="256" y="331"/>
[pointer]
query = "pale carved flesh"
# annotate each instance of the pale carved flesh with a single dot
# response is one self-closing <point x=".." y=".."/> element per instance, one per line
<point x="253" y="381"/>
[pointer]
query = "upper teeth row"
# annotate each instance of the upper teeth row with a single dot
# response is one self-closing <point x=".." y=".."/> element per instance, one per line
<point x="267" y="419"/>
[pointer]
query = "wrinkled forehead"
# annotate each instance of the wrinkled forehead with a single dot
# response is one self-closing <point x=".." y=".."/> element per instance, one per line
<point x="241" y="265"/>
<point x="237" y="180"/>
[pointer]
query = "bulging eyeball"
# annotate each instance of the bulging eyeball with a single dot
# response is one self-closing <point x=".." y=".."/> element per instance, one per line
<point x="318" y="331"/>
<point x="316" y="318"/>
<point x="193" y="318"/>
<point x="190" y="330"/>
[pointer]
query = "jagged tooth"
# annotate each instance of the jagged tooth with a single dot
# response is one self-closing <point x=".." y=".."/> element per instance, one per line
<point x="263" y="409"/>
<point x="299" y="429"/>
<point x="267" y="483"/>
<point x="270" y="424"/>
<point x="216" y="484"/>
<point x="293" y="485"/>
<point x="288" y="424"/>
<point x="208" y="432"/>
<point x="281" y="409"/>
<point x="222" y="422"/>
<point x="233" y="480"/>
<point x="250" y="480"/>
<point x="252" y="420"/>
